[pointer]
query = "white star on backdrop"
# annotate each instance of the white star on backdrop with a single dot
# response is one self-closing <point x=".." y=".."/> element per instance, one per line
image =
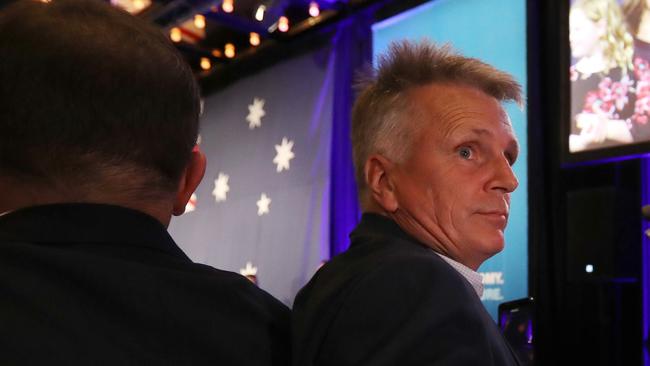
<point x="221" y="187"/>
<point x="284" y="154"/>
<point x="263" y="205"/>
<point x="255" y="113"/>
<point x="249" y="270"/>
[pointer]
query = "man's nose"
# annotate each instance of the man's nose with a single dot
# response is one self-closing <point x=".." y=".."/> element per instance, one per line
<point x="504" y="178"/>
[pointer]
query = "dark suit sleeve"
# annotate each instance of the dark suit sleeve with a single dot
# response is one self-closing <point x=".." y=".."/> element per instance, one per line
<point x="413" y="311"/>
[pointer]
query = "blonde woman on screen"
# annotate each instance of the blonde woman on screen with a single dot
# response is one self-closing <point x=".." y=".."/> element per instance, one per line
<point x="601" y="87"/>
<point x="637" y="14"/>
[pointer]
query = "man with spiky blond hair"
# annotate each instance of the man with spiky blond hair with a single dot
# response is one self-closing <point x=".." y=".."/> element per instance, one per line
<point x="433" y="152"/>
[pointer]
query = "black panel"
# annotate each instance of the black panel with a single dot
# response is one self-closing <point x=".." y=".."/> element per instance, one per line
<point x="578" y="215"/>
<point x="591" y="217"/>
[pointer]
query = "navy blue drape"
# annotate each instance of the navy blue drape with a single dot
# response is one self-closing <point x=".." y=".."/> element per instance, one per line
<point x="352" y="45"/>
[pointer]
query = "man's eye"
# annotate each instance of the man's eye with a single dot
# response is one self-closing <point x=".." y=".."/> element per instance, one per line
<point x="465" y="152"/>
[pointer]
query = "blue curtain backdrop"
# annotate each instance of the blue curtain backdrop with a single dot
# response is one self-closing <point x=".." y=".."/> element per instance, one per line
<point x="353" y="51"/>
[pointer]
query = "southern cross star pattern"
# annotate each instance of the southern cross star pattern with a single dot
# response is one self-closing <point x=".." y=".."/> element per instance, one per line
<point x="265" y="199"/>
<point x="282" y="159"/>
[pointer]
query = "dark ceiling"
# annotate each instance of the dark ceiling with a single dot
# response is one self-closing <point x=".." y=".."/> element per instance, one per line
<point x="207" y="45"/>
<point x="223" y="24"/>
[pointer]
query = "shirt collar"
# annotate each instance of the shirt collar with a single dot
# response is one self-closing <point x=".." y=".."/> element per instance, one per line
<point x="474" y="278"/>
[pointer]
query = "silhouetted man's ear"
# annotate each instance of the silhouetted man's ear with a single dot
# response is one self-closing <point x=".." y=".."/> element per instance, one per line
<point x="379" y="179"/>
<point x="189" y="181"/>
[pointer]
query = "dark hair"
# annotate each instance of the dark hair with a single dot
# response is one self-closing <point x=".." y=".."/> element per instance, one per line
<point x="87" y="89"/>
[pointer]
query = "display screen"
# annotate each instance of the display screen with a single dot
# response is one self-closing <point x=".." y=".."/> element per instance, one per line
<point x="610" y="75"/>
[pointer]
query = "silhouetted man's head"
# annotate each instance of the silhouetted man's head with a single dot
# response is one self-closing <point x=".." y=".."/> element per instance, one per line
<point x="96" y="106"/>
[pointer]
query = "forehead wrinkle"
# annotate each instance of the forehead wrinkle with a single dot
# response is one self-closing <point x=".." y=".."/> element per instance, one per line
<point x="449" y="115"/>
<point x="456" y="119"/>
<point x="478" y="116"/>
<point x="481" y="131"/>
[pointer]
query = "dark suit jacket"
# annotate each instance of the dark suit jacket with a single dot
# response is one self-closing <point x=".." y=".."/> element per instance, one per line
<point x="103" y="285"/>
<point x="389" y="300"/>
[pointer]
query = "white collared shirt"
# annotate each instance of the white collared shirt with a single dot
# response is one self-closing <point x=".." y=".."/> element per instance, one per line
<point x="474" y="278"/>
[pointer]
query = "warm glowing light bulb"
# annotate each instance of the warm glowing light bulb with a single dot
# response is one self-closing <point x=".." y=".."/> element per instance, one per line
<point x="199" y="21"/>
<point x="175" y="34"/>
<point x="229" y="50"/>
<point x="259" y="13"/>
<point x="216" y="53"/>
<point x="313" y="9"/>
<point x="138" y="5"/>
<point x="254" y="39"/>
<point x="228" y="6"/>
<point x="205" y="63"/>
<point x="283" y="24"/>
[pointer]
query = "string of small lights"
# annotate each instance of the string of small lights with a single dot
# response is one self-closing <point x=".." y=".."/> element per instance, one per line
<point x="218" y="32"/>
<point x="191" y="32"/>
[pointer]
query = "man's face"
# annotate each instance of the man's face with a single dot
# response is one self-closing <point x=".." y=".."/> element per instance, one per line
<point x="453" y="189"/>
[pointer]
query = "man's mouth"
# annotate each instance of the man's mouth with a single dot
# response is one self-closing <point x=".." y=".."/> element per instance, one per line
<point x="498" y="217"/>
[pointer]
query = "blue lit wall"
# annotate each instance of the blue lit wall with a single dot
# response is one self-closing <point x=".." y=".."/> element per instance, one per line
<point x="494" y="31"/>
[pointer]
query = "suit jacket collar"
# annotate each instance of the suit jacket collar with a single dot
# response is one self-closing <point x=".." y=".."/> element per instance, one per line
<point x="79" y="223"/>
<point x="377" y="225"/>
<point x="373" y="224"/>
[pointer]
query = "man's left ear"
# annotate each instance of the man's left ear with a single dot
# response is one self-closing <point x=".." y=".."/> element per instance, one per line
<point x="189" y="181"/>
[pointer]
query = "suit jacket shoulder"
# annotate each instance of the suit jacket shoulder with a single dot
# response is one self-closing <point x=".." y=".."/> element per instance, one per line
<point x="389" y="300"/>
<point x="105" y="285"/>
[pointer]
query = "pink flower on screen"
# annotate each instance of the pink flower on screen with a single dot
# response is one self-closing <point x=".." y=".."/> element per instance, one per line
<point x="642" y="104"/>
<point x="610" y="97"/>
